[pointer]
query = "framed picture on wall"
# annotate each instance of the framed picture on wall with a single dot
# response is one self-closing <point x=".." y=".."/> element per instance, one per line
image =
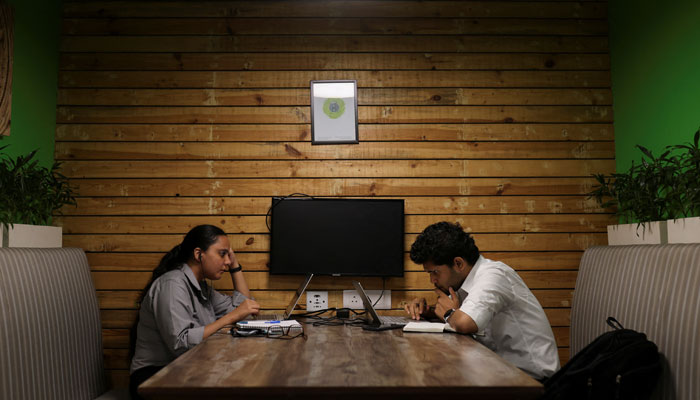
<point x="334" y="112"/>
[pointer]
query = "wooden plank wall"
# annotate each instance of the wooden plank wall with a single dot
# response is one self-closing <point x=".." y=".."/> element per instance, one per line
<point x="172" y="114"/>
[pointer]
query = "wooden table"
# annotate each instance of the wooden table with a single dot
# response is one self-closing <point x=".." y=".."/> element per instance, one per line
<point x="337" y="362"/>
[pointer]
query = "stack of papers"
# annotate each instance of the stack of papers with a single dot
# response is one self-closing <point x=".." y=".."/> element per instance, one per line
<point x="266" y="324"/>
<point x="424" y="326"/>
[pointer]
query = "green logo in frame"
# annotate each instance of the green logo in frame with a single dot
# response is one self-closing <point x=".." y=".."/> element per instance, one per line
<point x="334" y="108"/>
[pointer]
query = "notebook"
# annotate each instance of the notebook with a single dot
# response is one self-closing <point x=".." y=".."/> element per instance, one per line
<point x="377" y="322"/>
<point x="266" y="324"/>
<point x="292" y="304"/>
<point x="424" y="326"/>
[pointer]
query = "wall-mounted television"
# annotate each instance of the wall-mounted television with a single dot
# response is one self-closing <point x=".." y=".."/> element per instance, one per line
<point x="339" y="237"/>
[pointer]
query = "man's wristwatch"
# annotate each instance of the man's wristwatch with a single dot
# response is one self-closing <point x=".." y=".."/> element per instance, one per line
<point x="448" y="314"/>
<point x="232" y="270"/>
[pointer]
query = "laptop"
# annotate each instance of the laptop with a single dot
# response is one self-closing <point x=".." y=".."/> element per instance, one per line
<point x="292" y="304"/>
<point x="376" y="322"/>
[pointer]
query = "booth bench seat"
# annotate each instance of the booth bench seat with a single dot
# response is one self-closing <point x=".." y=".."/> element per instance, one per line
<point x="50" y="335"/>
<point x="654" y="289"/>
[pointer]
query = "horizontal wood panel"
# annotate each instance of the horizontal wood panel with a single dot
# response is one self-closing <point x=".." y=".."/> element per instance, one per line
<point x="564" y="355"/>
<point x="115" y="338"/>
<point x="326" y="168"/>
<point x="562" y="335"/>
<point x="105" y="280"/>
<point x="301" y="132"/>
<point x="306" y="150"/>
<point x="301" y="79"/>
<point x="301" y="97"/>
<point x="115" y="319"/>
<point x="116" y="358"/>
<point x="530" y="223"/>
<point x="337" y="26"/>
<point x="337" y="8"/>
<point x="260" y="205"/>
<point x="520" y="261"/>
<point x="148" y="261"/>
<point x="413" y="223"/>
<point x="259" y="243"/>
<point x="117" y="378"/>
<point x="341" y="43"/>
<point x="366" y="114"/>
<point x="287" y="61"/>
<point x="334" y="187"/>
<point x="558" y="316"/>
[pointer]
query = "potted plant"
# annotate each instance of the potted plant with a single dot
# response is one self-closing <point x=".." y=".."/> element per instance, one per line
<point x="686" y="229"/>
<point x="31" y="195"/>
<point x="653" y="191"/>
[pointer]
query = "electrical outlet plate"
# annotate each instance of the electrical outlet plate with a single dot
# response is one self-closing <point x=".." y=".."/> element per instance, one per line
<point x="316" y="300"/>
<point x="352" y="300"/>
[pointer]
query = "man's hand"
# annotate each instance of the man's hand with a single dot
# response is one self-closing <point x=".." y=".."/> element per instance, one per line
<point x="416" y="308"/>
<point x="445" y="303"/>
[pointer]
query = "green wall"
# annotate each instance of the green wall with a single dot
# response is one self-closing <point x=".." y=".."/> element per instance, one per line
<point x="655" y="56"/>
<point x="37" y="25"/>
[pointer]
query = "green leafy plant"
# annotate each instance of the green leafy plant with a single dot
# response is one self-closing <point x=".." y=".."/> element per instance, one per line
<point x="657" y="188"/>
<point x="689" y="181"/>
<point x="31" y="193"/>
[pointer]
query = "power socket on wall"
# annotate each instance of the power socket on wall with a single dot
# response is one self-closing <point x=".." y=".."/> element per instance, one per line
<point x="316" y="300"/>
<point x="352" y="300"/>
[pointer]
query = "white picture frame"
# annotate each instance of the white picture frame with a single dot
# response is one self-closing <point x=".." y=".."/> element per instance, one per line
<point x="334" y="112"/>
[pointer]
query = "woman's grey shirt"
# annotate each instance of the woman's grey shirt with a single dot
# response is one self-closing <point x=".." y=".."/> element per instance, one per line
<point x="173" y="315"/>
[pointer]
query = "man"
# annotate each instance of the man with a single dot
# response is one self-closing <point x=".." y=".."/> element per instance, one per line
<point x="485" y="298"/>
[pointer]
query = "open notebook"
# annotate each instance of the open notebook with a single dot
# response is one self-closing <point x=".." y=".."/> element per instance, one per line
<point x="425" y="326"/>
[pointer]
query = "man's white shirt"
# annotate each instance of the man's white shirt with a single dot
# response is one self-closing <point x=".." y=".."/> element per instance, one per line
<point x="510" y="320"/>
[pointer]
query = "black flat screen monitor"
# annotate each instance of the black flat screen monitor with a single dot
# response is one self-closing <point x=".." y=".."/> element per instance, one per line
<point x="357" y="237"/>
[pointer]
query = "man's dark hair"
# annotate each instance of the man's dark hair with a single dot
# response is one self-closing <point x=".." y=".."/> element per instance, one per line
<point x="441" y="242"/>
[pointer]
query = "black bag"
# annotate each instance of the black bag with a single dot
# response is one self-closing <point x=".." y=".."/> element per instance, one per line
<point x="620" y="364"/>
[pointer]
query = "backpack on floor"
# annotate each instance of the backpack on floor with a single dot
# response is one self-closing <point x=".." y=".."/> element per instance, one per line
<point x="620" y="364"/>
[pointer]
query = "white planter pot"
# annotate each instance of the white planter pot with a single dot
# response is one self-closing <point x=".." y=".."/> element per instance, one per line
<point x="21" y="235"/>
<point x="646" y="233"/>
<point x="684" y="230"/>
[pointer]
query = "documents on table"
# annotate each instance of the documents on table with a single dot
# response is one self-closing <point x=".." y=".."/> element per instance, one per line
<point x="425" y="326"/>
<point x="266" y="324"/>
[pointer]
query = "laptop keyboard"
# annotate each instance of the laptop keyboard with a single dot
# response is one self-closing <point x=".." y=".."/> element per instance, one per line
<point x="393" y="320"/>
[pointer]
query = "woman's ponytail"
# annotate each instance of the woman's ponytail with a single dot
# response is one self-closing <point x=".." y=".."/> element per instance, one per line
<point x="169" y="262"/>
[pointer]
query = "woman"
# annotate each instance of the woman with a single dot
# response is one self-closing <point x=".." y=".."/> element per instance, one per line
<point x="179" y="309"/>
